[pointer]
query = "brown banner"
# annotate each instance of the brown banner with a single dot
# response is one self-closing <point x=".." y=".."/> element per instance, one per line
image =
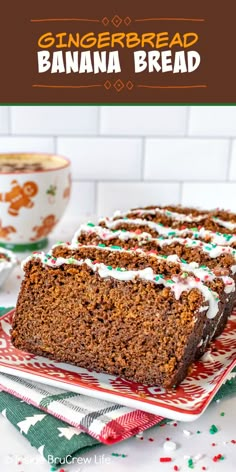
<point x="118" y="52"/>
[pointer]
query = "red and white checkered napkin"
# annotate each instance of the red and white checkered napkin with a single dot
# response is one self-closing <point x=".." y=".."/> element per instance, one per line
<point x="107" y="422"/>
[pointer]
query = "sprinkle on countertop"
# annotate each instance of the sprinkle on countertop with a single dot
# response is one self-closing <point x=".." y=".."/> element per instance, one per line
<point x="190" y="464"/>
<point x="217" y="458"/>
<point x="213" y="429"/>
<point x="165" y="459"/>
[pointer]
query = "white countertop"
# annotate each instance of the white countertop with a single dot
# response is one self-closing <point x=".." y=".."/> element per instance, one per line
<point x="141" y="455"/>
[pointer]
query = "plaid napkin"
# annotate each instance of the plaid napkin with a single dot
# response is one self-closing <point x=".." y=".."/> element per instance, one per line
<point x="56" y="439"/>
<point x="107" y="422"/>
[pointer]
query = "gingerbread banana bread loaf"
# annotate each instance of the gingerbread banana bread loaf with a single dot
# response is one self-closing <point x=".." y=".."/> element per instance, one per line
<point x="123" y="318"/>
<point x="169" y="266"/>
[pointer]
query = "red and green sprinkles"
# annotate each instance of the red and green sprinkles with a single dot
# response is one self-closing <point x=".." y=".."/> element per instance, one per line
<point x="218" y="457"/>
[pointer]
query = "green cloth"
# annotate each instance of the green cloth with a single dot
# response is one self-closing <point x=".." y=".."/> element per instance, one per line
<point x="54" y="438"/>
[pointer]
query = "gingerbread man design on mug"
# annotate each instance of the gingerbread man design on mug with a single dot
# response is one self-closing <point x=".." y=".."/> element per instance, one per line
<point x="45" y="228"/>
<point x="19" y="196"/>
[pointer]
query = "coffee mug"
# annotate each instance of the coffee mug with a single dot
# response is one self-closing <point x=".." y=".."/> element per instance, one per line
<point x="34" y="192"/>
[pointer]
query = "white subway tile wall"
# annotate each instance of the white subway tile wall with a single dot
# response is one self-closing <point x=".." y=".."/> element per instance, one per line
<point x="129" y="156"/>
<point x="143" y="121"/>
<point x="103" y="158"/>
<point x="186" y="159"/>
<point x="119" y="196"/>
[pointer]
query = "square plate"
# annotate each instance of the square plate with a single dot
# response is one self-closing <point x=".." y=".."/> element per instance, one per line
<point x="186" y="403"/>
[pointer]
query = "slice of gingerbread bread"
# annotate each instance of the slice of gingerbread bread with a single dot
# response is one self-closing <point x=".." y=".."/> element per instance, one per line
<point x="158" y="229"/>
<point x="168" y="266"/>
<point x="121" y="318"/>
<point x="178" y="220"/>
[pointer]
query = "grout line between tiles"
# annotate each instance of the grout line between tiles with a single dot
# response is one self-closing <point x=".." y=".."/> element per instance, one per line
<point x="135" y="181"/>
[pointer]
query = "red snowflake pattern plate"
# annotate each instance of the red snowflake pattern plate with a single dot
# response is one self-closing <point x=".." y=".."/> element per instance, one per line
<point x="187" y="402"/>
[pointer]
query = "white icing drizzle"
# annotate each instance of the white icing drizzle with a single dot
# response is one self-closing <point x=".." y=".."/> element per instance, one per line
<point x="216" y="238"/>
<point x="105" y="234"/>
<point x="176" y="285"/>
<point x="202" y="273"/>
<point x="225" y="224"/>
